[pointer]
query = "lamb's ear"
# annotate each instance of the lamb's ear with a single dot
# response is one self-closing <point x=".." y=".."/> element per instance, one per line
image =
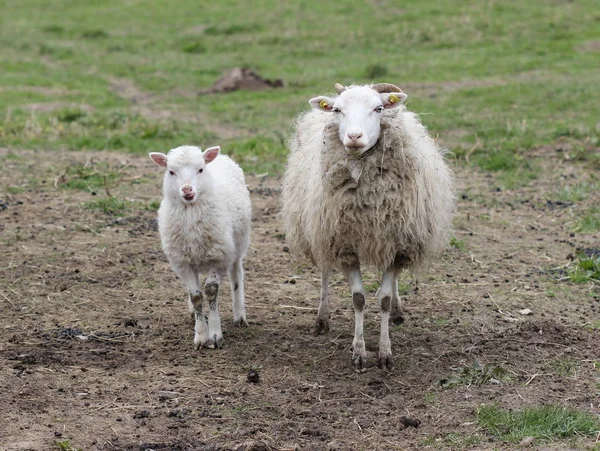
<point x="211" y="153"/>
<point x="322" y="103"/>
<point x="392" y="99"/>
<point x="159" y="158"/>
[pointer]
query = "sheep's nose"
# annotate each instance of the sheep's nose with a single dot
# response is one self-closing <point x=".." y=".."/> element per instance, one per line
<point x="186" y="189"/>
<point x="354" y="136"/>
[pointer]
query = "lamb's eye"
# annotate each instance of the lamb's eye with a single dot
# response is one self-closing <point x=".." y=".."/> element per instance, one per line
<point x="336" y="110"/>
<point x="171" y="172"/>
<point x="379" y="109"/>
<point x="200" y="170"/>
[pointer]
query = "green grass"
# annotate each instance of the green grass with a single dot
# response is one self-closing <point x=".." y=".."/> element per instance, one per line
<point x="90" y="177"/>
<point x="564" y="366"/>
<point x="456" y="243"/>
<point x="585" y="269"/>
<point x="589" y="222"/>
<point x="490" y="79"/>
<point x="541" y="422"/>
<point x="109" y="205"/>
<point x="476" y="374"/>
<point x="64" y="445"/>
<point x="578" y="192"/>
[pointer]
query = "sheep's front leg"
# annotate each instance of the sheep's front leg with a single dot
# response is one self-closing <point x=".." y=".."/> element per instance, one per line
<point x="211" y="289"/>
<point x="195" y="300"/>
<point x="322" y="326"/>
<point x="387" y="295"/>
<point x="236" y="277"/>
<point x="359" y="352"/>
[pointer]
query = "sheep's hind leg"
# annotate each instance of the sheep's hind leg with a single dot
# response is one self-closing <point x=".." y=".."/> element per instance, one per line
<point x="397" y="317"/>
<point x="211" y="289"/>
<point x="236" y="277"/>
<point x="386" y="298"/>
<point x="195" y="300"/>
<point x="322" y="325"/>
<point x="359" y="352"/>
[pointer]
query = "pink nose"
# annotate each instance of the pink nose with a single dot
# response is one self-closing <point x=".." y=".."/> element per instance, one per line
<point x="354" y="136"/>
<point x="187" y="189"/>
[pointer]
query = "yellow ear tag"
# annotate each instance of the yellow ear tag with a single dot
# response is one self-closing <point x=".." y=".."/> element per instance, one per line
<point x="394" y="98"/>
<point x="323" y="104"/>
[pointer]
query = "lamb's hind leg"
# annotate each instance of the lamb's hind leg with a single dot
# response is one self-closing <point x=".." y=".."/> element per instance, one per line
<point x="195" y="300"/>
<point x="322" y="325"/>
<point x="211" y="289"/>
<point x="359" y="352"/>
<point x="386" y="297"/>
<point x="236" y="277"/>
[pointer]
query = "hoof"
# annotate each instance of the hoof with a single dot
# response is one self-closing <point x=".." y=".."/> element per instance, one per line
<point x="240" y="322"/>
<point x="217" y="341"/>
<point x="385" y="363"/>
<point x="359" y="362"/>
<point x="397" y="318"/>
<point x="321" y="327"/>
<point x="199" y="344"/>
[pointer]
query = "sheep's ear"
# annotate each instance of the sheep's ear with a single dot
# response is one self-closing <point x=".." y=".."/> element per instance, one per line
<point x="159" y="158"/>
<point x="322" y="103"/>
<point x="211" y="153"/>
<point x="392" y="99"/>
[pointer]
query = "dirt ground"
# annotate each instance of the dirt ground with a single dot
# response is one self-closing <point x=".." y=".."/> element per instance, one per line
<point x="96" y="342"/>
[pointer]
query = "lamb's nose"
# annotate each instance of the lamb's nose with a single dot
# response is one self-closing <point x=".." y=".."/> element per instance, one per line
<point x="186" y="189"/>
<point x="354" y="136"/>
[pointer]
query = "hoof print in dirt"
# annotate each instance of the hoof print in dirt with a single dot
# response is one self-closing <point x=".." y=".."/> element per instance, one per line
<point x="253" y="377"/>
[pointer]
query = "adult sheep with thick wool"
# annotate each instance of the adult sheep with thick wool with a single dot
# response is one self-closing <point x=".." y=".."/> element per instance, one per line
<point x="366" y="185"/>
<point x="204" y="224"/>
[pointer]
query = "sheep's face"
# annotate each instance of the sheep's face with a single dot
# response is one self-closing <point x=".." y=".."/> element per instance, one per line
<point x="185" y="174"/>
<point x="358" y="111"/>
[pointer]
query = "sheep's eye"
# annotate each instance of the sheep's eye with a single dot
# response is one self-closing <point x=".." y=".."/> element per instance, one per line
<point x="379" y="109"/>
<point x="200" y="170"/>
<point x="171" y="172"/>
<point x="336" y="110"/>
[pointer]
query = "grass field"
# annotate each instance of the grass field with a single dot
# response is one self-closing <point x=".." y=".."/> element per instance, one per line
<point x="492" y="79"/>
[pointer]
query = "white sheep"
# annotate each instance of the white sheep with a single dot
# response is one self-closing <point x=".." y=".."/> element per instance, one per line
<point x="366" y="184"/>
<point x="204" y="224"/>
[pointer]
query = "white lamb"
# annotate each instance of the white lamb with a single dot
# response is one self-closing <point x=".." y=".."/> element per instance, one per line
<point x="366" y="184"/>
<point x="204" y="225"/>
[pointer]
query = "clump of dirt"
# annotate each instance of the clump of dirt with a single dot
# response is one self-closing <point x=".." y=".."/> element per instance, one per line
<point x="242" y="78"/>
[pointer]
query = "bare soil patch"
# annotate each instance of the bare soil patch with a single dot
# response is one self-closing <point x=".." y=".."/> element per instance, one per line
<point x="96" y="342"/>
<point x="242" y="78"/>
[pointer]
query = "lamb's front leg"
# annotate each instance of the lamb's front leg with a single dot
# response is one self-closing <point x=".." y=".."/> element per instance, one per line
<point x="195" y="300"/>
<point x="359" y="352"/>
<point x="211" y="288"/>
<point x="322" y="326"/>
<point x="386" y="296"/>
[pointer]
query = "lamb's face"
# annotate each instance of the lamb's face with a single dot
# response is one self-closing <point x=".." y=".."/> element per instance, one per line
<point x="185" y="176"/>
<point x="358" y="111"/>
